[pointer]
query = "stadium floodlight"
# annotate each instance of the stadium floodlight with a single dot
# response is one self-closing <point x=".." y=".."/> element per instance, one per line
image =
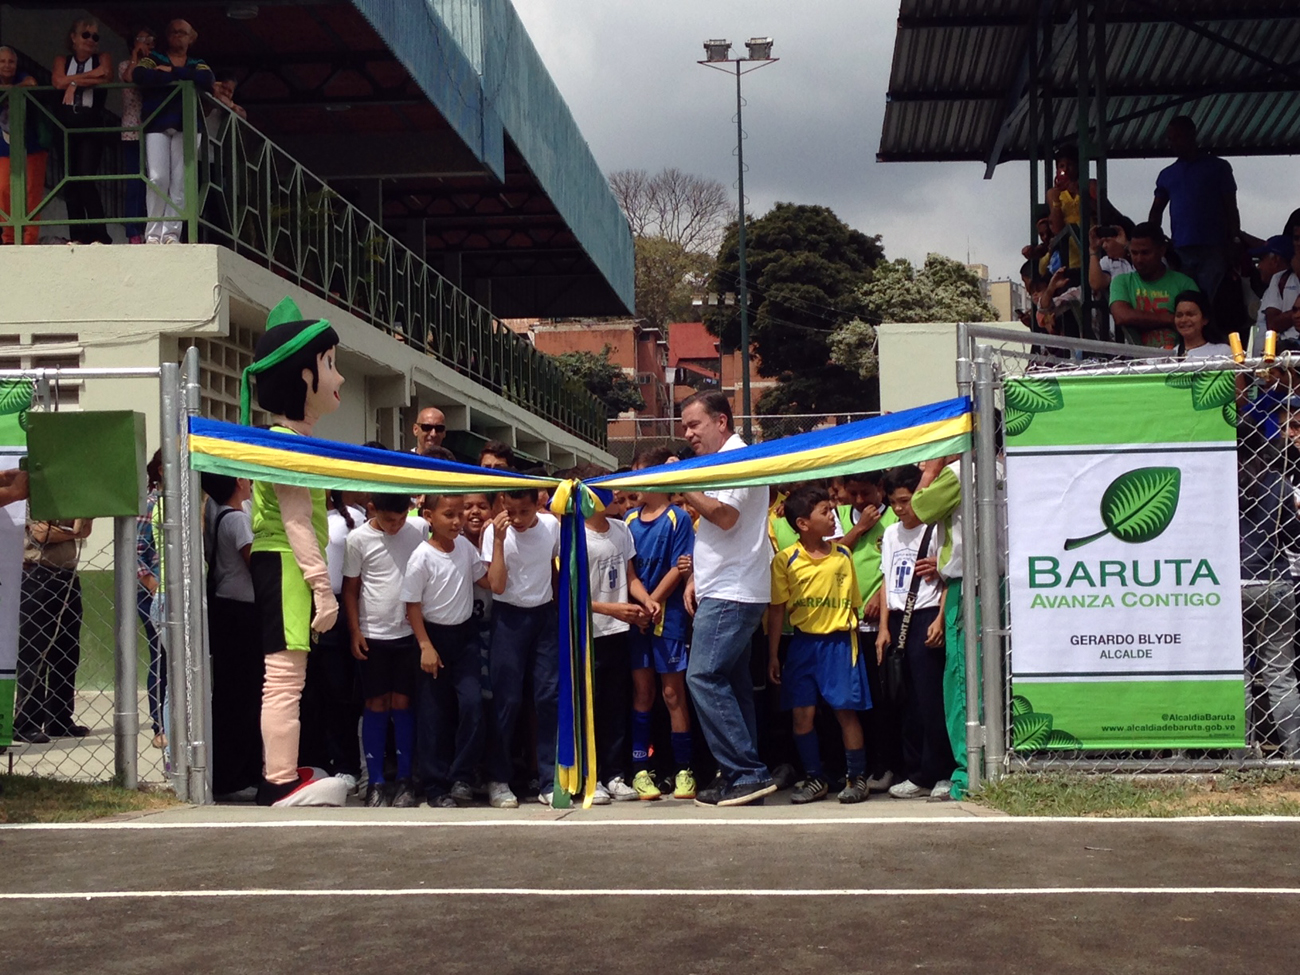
<point x="760" y="48"/>
<point x="717" y="50"/>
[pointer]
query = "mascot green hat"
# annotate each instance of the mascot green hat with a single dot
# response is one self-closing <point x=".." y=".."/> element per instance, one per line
<point x="287" y="334"/>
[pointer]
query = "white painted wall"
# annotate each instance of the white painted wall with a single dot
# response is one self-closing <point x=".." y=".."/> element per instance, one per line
<point x="918" y="362"/>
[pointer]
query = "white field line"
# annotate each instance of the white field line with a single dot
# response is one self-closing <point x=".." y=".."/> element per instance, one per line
<point x="596" y="892"/>
<point x="574" y="822"/>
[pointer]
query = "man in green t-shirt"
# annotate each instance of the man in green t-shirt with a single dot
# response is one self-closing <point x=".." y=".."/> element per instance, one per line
<point x="1141" y="302"/>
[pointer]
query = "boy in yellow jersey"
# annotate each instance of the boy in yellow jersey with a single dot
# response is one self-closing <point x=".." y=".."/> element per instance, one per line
<point x="814" y="581"/>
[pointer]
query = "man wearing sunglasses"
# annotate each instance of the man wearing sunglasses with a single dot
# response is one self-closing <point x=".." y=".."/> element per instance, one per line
<point x="430" y="430"/>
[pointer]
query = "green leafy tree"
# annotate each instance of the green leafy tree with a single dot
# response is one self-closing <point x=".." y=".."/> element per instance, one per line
<point x="667" y="276"/>
<point x="604" y="380"/>
<point x="943" y="290"/>
<point x="806" y="268"/>
<point x="853" y="346"/>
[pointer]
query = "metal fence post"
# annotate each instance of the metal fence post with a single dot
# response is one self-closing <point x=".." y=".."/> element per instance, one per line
<point x="18" y="215"/>
<point x="126" y="700"/>
<point x="196" y="650"/>
<point x="174" y="486"/>
<point x="190" y="121"/>
<point x="987" y="544"/>
<point x="970" y="578"/>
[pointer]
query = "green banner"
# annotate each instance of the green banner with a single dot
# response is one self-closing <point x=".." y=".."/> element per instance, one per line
<point x="1124" y="572"/>
<point x="15" y="399"/>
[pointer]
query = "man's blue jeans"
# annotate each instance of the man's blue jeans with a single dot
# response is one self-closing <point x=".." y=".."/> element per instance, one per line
<point x="722" y="687"/>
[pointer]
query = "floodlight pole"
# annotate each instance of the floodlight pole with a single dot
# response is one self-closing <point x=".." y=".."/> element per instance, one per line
<point x="746" y="412"/>
<point x="747" y="429"/>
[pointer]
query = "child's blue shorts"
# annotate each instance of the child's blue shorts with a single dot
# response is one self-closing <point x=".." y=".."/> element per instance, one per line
<point x="822" y="664"/>
<point x="666" y="656"/>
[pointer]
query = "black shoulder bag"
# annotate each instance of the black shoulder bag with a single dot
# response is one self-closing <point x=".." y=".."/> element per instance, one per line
<point x="895" y="665"/>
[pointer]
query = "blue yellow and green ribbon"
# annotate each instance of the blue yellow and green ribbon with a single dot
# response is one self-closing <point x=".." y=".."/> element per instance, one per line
<point x="907" y="437"/>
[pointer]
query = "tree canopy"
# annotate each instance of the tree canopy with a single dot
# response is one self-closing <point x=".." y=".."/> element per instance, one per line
<point x="604" y="380"/>
<point x="943" y="290"/>
<point x="806" y="268"/>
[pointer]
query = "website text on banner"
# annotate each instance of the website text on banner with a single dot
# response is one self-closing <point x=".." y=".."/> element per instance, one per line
<point x="1125" y="579"/>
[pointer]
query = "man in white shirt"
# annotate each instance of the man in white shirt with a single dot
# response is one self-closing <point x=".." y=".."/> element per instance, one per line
<point x="728" y="595"/>
<point x="1281" y="298"/>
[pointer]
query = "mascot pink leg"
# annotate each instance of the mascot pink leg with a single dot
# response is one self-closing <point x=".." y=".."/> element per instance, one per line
<point x="297" y="383"/>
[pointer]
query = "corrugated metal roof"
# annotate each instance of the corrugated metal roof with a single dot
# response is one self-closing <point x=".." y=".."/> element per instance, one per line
<point x="961" y="70"/>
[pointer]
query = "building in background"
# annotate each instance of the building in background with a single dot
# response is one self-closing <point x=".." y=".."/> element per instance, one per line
<point x="1009" y="299"/>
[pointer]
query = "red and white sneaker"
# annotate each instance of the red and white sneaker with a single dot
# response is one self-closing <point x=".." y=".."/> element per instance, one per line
<point x="315" y="787"/>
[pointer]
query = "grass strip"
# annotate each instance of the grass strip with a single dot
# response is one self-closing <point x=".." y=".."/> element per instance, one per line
<point x="30" y="799"/>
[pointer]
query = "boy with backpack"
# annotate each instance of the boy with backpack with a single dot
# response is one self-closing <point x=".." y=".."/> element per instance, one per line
<point x="234" y="640"/>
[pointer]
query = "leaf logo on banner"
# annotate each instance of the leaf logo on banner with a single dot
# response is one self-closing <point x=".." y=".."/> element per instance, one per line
<point x="16" y="397"/>
<point x="1210" y="391"/>
<point x="1032" y="730"/>
<point x="1137" y="506"/>
<point x="1027" y="397"/>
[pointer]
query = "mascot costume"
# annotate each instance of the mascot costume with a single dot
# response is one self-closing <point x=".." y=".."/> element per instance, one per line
<point x="297" y="383"/>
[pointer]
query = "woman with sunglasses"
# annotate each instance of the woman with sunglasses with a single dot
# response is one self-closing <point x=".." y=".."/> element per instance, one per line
<point x="79" y="76"/>
<point x="164" y="132"/>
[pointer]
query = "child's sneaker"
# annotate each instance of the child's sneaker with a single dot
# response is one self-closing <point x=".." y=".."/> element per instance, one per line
<point x="855" y="790"/>
<point x="500" y="796"/>
<point x="601" y="797"/>
<point x="881" y="782"/>
<point x="404" y="795"/>
<point x="907" y="789"/>
<point x="644" y="785"/>
<point x="376" y="797"/>
<point x="684" y="785"/>
<point x="461" y="794"/>
<point x="942" y="791"/>
<point x="545" y="798"/>
<point x="620" y="790"/>
<point x="810" y="790"/>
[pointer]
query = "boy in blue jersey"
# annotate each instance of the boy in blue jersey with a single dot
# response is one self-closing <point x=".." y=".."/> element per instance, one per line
<point x="663" y="534"/>
<point x="814" y="582"/>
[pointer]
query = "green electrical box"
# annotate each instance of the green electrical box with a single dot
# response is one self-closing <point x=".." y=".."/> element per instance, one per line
<point x="86" y="465"/>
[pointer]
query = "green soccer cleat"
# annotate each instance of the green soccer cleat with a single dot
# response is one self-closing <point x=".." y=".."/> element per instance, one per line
<point x="684" y="785"/>
<point x="644" y="785"/>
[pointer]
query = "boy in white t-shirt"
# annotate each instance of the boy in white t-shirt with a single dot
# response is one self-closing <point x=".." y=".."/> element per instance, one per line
<point x="438" y="590"/>
<point x="234" y="639"/>
<point x="375" y="559"/>
<point x="520" y="548"/>
<point x="927" y="752"/>
<point x="613" y="579"/>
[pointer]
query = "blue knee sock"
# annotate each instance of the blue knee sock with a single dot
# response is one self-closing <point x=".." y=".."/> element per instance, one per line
<point x="640" y="739"/>
<point x="404" y="738"/>
<point x="682" y="749"/>
<point x="374" y="739"/>
<point x="856" y="759"/>
<point x="809" y="754"/>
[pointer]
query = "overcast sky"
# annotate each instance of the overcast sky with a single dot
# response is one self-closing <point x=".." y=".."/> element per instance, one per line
<point x="627" y="70"/>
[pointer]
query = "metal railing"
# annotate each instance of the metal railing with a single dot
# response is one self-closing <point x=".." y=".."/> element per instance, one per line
<point x="244" y="192"/>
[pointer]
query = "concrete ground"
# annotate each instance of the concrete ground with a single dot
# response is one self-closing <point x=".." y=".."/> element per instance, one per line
<point x="639" y="887"/>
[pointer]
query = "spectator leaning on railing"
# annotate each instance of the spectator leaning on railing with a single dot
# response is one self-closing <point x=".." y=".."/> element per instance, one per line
<point x="79" y="75"/>
<point x="131" y="108"/>
<point x="37" y="156"/>
<point x="164" y="143"/>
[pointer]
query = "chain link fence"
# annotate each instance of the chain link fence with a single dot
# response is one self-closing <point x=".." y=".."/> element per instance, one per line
<point x="92" y="675"/>
<point x="64" y="724"/>
<point x="626" y="436"/>
<point x="1267" y="508"/>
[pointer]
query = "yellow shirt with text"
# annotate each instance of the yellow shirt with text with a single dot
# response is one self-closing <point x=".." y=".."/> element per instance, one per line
<point x="820" y="594"/>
